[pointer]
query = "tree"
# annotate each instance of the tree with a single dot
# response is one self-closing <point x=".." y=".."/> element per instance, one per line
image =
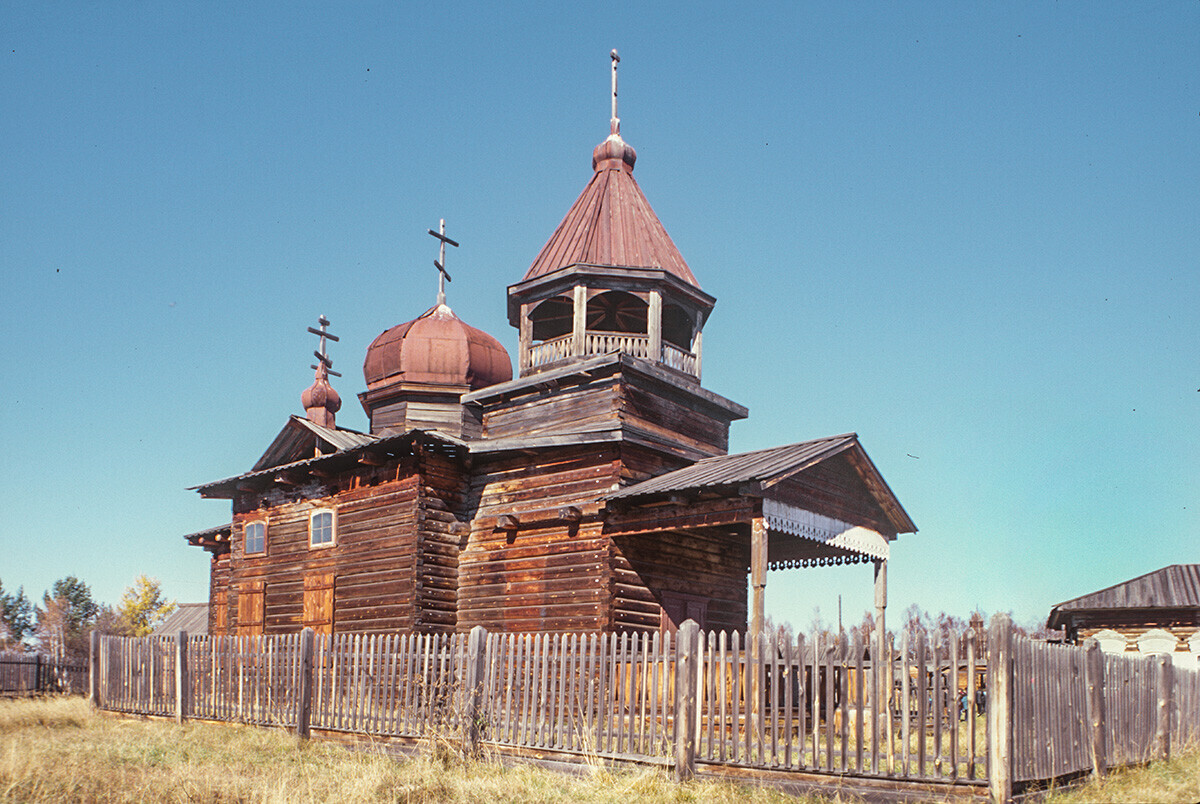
<point x="143" y="606"/>
<point x="65" y="618"/>
<point x="80" y="607"/>
<point x="110" y="623"/>
<point x="16" y="618"/>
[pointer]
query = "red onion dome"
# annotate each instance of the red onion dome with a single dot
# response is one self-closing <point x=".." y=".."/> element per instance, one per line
<point x="437" y="348"/>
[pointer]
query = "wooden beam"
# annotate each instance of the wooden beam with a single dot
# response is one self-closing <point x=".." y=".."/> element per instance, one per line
<point x="371" y="459"/>
<point x="758" y="588"/>
<point x="508" y="522"/>
<point x="579" y="327"/>
<point x="654" y="326"/>
<point x="882" y="669"/>
<point x="526" y="339"/>
<point x="570" y="513"/>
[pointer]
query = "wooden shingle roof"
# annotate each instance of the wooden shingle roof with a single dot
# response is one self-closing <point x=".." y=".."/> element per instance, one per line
<point x="1173" y="587"/>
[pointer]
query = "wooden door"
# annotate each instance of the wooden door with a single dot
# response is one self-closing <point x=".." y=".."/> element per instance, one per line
<point x="251" y="608"/>
<point x="318" y="602"/>
<point x="220" y="613"/>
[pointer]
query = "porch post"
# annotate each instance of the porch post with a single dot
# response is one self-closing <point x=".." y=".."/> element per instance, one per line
<point x="654" y="327"/>
<point x="879" y="661"/>
<point x="758" y="586"/>
<point x="579" y="325"/>
<point x="526" y="340"/>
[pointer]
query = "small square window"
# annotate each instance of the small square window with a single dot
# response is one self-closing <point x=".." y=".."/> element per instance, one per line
<point x="256" y="537"/>
<point x="320" y="529"/>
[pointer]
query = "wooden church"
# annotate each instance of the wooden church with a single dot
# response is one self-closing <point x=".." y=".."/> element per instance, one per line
<point x="592" y="492"/>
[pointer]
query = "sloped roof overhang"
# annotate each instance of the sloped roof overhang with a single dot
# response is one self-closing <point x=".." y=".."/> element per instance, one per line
<point x="214" y="540"/>
<point x="727" y="491"/>
<point x="377" y="448"/>
<point x="609" y="277"/>
<point x="1175" y="587"/>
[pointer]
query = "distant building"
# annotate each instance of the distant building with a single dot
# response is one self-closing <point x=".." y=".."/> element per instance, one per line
<point x="593" y="492"/>
<point x="1158" y="612"/>
<point x="190" y="617"/>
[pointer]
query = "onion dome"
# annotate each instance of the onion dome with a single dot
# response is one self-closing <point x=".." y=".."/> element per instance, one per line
<point x="320" y="401"/>
<point x="320" y="395"/>
<point x="436" y="348"/>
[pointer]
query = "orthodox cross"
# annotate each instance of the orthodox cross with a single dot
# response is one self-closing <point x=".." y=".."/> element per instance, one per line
<point x="615" y="123"/>
<point x="323" y="361"/>
<point x="440" y="262"/>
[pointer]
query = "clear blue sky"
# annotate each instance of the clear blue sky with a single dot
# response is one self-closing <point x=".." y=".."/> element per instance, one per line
<point x="967" y="232"/>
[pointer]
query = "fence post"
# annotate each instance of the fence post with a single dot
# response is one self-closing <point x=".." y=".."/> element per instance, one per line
<point x="1166" y="678"/>
<point x="183" y="685"/>
<point x="304" y="694"/>
<point x="94" y="669"/>
<point x="1000" y="709"/>
<point x="476" y="672"/>
<point x="1097" y="709"/>
<point x="687" y="649"/>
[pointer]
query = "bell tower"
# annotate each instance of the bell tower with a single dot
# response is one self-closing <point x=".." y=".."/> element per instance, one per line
<point x="609" y="279"/>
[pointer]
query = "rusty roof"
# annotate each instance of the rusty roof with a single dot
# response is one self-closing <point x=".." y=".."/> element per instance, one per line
<point x="1172" y="587"/>
<point x="611" y="223"/>
<point x="437" y="347"/>
<point x="766" y="467"/>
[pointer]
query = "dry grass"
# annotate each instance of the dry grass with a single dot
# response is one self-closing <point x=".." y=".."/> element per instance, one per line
<point x="59" y="750"/>
<point x="1171" y="782"/>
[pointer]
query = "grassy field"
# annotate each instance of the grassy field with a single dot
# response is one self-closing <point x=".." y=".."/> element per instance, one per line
<point x="59" y="750"/>
<point x="1174" y="782"/>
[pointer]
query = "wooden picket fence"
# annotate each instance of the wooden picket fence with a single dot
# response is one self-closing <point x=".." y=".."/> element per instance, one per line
<point x="29" y="674"/>
<point x="975" y="712"/>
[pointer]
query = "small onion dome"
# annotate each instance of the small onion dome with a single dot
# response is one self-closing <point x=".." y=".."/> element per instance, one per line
<point x="615" y="149"/>
<point x="436" y="348"/>
<point x="321" y="395"/>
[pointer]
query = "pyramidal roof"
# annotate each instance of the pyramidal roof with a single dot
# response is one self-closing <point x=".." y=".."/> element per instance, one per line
<point x="611" y="223"/>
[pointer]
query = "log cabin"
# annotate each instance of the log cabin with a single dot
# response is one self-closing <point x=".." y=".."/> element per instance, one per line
<point x="593" y="491"/>
<point x="1158" y="612"/>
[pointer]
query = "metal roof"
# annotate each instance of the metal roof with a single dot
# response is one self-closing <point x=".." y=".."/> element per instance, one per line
<point x="1172" y="587"/>
<point x="295" y="439"/>
<point x="190" y="617"/>
<point x="766" y="467"/>
<point x="208" y="532"/>
<point x="372" y="442"/>
<point x="611" y="223"/>
<point x="761" y="466"/>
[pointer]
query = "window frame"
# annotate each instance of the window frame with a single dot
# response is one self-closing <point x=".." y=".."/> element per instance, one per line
<point x="262" y="550"/>
<point x="332" y="528"/>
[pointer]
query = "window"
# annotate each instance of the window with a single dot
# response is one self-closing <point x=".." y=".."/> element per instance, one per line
<point x="255" y="535"/>
<point x="320" y="529"/>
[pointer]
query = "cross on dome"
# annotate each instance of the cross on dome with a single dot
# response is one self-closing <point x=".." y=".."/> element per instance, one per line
<point x="440" y="262"/>
<point x="324" y="364"/>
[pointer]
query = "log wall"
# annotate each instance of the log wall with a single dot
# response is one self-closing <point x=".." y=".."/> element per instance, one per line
<point x="544" y="574"/>
<point x="398" y="529"/>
